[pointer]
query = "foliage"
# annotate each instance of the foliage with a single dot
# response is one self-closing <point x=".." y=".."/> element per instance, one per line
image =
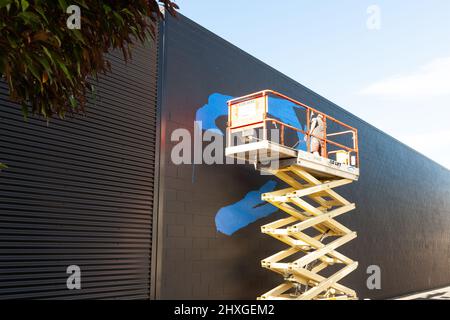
<point x="48" y="66"/>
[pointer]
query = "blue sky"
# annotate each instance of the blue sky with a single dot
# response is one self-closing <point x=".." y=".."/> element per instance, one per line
<point x="388" y="61"/>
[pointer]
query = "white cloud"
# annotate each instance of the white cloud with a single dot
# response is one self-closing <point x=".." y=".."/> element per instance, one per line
<point x="434" y="144"/>
<point x="430" y="80"/>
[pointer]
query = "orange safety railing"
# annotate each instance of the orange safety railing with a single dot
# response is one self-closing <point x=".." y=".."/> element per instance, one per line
<point x="261" y="119"/>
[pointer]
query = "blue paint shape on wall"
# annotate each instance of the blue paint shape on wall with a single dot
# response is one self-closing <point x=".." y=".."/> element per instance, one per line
<point x="238" y="215"/>
<point x="284" y="111"/>
<point x="231" y="218"/>
<point x="216" y="107"/>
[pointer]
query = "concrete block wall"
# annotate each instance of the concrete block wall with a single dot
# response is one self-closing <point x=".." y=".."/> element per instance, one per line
<point x="402" y="197"/>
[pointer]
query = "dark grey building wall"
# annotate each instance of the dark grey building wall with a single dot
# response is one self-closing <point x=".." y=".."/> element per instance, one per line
<point x="81" y="191"/>
<point x="403" y="198"/>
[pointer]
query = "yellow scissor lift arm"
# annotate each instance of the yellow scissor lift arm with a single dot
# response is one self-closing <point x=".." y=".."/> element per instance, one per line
<point x="310" y="231"/>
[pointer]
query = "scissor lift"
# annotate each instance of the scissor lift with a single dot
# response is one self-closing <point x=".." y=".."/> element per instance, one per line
<point x="310" y="230"/>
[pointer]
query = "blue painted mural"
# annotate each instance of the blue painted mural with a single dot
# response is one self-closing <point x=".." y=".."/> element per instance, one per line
<point x="231" y="218"/>
<point x="238" y="215"/>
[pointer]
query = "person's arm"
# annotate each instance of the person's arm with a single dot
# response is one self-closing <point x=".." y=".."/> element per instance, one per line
<point x="312" y="127"/>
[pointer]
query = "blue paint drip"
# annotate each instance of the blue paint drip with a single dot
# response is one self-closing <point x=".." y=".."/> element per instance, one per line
<point x="231" y="218"/>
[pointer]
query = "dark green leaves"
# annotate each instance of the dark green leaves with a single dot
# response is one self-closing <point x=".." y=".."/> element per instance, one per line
<point x="24" y="4"/>
<point x="29" y="17"/>
<point x="4" y="3"/>
<point x="48" y="66"/>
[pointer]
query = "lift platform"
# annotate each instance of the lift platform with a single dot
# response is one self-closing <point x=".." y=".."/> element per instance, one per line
<point x="261" y="130"/>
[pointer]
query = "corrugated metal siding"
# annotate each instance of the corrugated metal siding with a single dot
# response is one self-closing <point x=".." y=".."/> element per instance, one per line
<point x="80" y="191"/>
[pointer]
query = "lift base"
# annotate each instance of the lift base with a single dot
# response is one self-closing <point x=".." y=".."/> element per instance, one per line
<point x="311" y="204"/>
